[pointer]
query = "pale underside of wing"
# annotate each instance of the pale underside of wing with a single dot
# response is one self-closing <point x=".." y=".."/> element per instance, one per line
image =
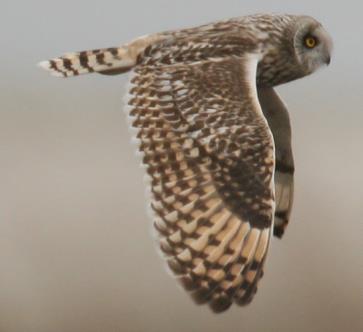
<point x="210" y="155"/>
<point x="279" y="122"/>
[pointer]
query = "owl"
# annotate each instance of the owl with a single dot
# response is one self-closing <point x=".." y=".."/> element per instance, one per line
<point x="215" y="139"/>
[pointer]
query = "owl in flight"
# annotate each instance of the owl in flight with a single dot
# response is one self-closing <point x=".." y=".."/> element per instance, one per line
<point x="215" y="139"/>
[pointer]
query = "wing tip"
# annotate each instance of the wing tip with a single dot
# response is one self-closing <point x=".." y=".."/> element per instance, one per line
<point x="278" y="232"/>
<point x="46" y="65"/>
<point x="220" y="304"/>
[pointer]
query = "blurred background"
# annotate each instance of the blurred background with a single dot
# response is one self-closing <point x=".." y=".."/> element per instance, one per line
<point x="76" y="250"/>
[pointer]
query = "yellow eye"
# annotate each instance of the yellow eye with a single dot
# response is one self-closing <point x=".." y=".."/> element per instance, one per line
<point x="310" y="41"/>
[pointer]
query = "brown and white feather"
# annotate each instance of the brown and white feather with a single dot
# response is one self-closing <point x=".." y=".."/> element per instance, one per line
<point x="210" y="155"/>
<point x="215" y="139"/>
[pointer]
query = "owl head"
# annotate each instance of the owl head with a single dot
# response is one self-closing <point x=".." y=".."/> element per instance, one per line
<point x="312" y="44"/>
<point x="296" y="47"/>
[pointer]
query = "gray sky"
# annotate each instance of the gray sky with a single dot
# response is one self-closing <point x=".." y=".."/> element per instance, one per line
<point x="76" y="251"/>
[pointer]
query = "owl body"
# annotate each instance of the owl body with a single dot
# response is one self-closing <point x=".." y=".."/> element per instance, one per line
<point x="215" y="139"/>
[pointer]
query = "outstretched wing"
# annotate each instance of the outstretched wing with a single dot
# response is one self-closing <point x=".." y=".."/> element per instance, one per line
<point x="278" y="119"/>
<point x="210" y="155"/>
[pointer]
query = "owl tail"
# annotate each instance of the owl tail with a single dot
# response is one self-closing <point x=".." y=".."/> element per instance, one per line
<point x="108" y="61"/>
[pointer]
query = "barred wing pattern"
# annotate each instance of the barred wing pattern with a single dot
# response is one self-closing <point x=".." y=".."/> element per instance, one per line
<point x="210" y="155"/>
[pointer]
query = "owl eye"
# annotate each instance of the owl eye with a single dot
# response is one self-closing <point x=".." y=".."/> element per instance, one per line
<point x="310" y="41"/>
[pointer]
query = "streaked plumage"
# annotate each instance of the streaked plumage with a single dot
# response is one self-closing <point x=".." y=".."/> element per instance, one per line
<point x="216" y="140"/>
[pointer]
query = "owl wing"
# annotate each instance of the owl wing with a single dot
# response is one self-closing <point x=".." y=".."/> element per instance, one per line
<point x="210" y="155"/>
<point x="277" y="116"/>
